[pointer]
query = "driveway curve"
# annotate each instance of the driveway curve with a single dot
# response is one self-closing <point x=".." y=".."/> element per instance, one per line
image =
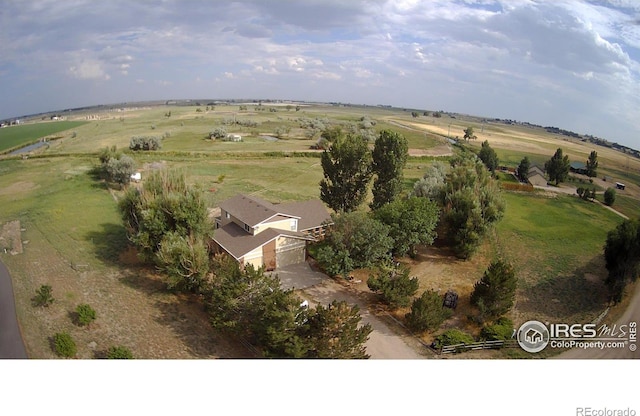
<point x="631" y="314"/>
<point x="11" y="344"/>
<point x="318" y="288"/>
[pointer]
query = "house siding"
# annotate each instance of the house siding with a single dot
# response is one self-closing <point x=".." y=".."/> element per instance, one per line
<point x="253" y="257"/>
<point x="279" y="225"/>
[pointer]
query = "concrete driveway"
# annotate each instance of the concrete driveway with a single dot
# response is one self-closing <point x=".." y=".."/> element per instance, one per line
<point x="318" y="288"/>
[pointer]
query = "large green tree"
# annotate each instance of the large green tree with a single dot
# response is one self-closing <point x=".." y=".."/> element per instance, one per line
<point x="488" y="156"/>
<point x="495" y="293"/>
<point x="432" y="182"/>
<point x="120" y="170"/>
<point x="622" y="257"/>
<point x="116" y="166"/>
<point x="412" y="221"/>
<point x="252" y="304"/>
<point x="168" y="223"/>
<point x="523" y="168"/>
<point x="336" y="332"/>
<point x="394" y="286"/>
<point x="610" y="196"/>
<point x="592" y="164"/>
<point x="347" y="171"/>
<point x="471" y="202"/>
<point x="427" y="312"/>
<point x="557" y="167"/>
<point x="469" y="134"/>
<point x="390" y="153"/>
<point x="354" y="241"/>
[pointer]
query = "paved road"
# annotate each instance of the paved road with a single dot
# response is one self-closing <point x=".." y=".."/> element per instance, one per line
<point x="383" y="343"/>
<point x="11" y="345"/>
<point x="631" y="314"/>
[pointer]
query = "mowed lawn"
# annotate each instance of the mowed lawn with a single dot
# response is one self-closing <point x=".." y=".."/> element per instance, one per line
<point x="556" y="245"/>
<point x="15" y="136"/>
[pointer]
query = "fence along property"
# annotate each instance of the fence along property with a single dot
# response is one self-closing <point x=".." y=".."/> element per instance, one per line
<point x="482" y="345"/>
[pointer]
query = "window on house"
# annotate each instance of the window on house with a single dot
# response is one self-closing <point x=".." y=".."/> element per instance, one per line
<point x="226" y="214"/>
<point x="247" y="228"/>
<point x="293" y="225"/>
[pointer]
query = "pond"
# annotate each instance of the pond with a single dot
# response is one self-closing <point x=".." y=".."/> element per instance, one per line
<point x="29" y="148"/>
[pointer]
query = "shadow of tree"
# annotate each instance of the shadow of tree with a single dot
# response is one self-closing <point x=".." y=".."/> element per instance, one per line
<point x="583" y="292"/>
<point x="188" y="320"/>
<point x="109" y="242"/>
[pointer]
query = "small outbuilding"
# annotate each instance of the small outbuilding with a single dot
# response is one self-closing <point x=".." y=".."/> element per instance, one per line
<point x="578" y="167"/>
<point x="536" y="176"/>
<point x="620" y="185"/>
<point x="136" y="177"/>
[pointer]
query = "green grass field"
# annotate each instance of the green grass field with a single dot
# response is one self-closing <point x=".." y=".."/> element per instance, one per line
<point x="556" y="246"/>
<point x="71" y="218"/>
<point x="15" y="136"/>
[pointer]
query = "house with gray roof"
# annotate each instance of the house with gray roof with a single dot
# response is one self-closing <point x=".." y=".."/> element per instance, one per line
<point x="536" y="176"/>
<point x="255" y="231"/>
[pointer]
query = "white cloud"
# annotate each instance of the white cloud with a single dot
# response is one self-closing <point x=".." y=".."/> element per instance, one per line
<point x="89" y="69"/>
<point x="531" y="59"/>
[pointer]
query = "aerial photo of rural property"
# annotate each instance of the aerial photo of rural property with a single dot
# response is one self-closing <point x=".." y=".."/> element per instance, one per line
<point x="395" y="180"/>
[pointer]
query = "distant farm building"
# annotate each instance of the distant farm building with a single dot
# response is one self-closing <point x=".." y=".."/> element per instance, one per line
<point x="578" y="167"/>
<point x="136" y="177"/>
<point x="234" y="138"/>
<point x="620" y="185"/>
<point x="536" y="176"/>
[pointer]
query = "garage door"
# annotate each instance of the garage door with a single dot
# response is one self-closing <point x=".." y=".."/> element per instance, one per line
<point x="291" y="256"/>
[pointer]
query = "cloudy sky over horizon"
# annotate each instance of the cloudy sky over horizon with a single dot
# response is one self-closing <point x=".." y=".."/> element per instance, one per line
<point x="573" y="64"/>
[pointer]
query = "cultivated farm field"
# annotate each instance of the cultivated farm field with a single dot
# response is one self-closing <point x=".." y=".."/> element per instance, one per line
<point x="16" y="136"/>
<point x="76" y="243"/>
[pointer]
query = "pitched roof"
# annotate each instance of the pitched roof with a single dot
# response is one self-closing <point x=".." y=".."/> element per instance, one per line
<point x="250" y="210"/>
<point x="534" y="169"/>
<point x="312" y="213"/>
<point x="238" y="243"/>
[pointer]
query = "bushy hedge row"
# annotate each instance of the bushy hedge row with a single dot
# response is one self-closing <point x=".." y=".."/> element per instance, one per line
<point x="510" y="186"/>
<point x="145" y="143"/>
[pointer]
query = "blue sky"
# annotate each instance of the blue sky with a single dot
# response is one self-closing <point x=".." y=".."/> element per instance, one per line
<point x="573" y="64"/>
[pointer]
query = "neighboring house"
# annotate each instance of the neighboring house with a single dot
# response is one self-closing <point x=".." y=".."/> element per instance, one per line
<point x="536" y="176"/>
<point x="620" y="185"/>
<point x="578" y="167"/>
<point x="257" y="232"/>
<point x="233" y="138"/>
